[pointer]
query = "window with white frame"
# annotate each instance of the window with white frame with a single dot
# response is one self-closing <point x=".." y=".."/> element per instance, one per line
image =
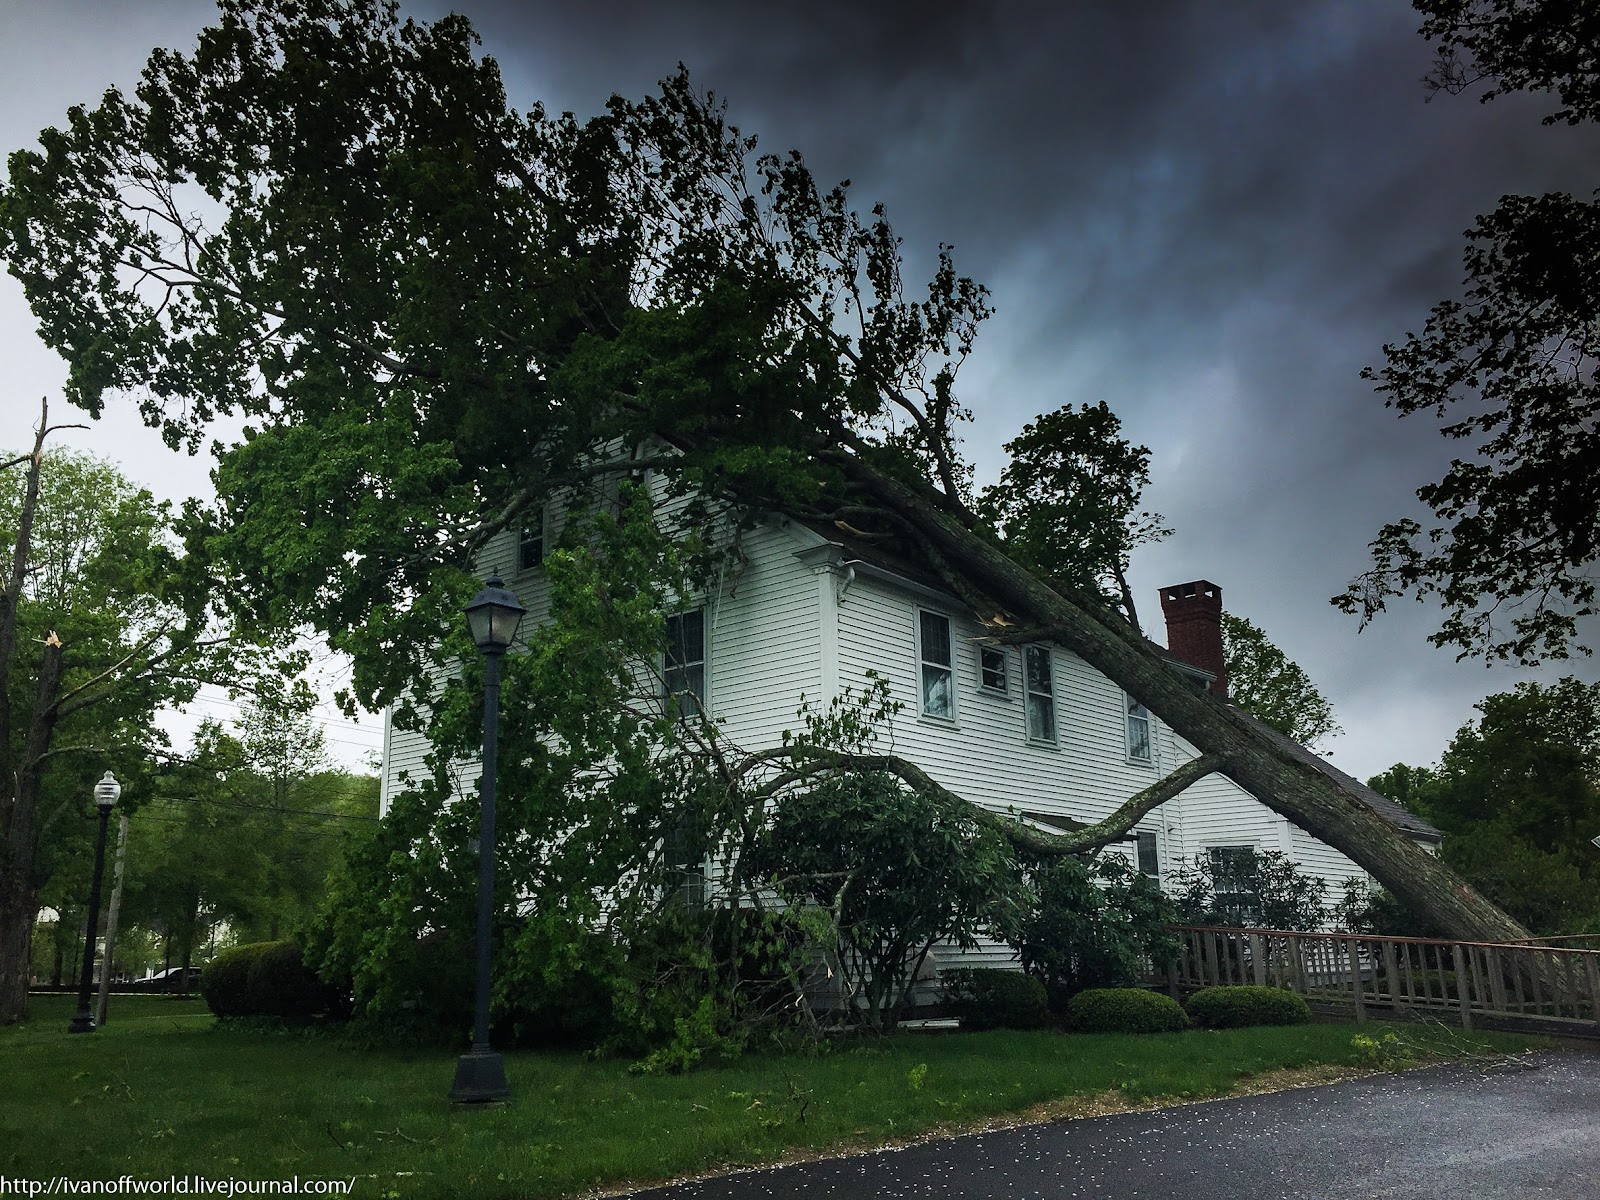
<point x="1039" y="684"/>
<point x="936" y="673"/>
<point x="1138" y="729"/>
<point x="993" y="670"/>
<point x="1145" y="852"/>
<point x="530" y="543"/>
<point x="685" y="661"/>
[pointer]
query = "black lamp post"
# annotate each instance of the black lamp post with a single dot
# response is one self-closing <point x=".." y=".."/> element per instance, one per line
<point x="493" y="617"/>
<point x="106" y="794"/>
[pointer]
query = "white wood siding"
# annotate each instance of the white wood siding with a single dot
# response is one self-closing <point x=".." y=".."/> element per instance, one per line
<point x="763" y="636"/>
<point x="984" y="754"/>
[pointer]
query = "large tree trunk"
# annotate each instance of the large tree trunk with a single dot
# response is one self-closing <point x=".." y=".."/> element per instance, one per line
<point x="19" y="908"/>
<point x="980" y="570"/>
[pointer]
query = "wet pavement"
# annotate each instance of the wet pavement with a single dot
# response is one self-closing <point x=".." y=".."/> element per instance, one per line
<point x="1501" y="1130"/>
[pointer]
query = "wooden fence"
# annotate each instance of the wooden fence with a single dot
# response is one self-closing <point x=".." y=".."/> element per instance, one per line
<point x="1494" y="983"/>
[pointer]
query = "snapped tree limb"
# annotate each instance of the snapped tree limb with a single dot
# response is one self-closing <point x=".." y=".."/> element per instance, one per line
<point x="808" y="762"/>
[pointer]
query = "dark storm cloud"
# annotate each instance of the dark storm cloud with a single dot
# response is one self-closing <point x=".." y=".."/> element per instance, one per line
<point x="1209" y="215"/>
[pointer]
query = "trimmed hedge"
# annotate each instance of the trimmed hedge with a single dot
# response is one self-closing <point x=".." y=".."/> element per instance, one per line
<point x="1237" y="1007"/>
<point x="987" y="998"/>
<point x="1125" y="1010"/>
<point x="225" y="981"/>
<point x="264" y="979"/>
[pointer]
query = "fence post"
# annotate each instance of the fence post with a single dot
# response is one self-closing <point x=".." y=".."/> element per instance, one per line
<point x="1391" y="975"/>
<point x="1594" y="987"/>
<point x="1357" y="995"/>
<point x="1172" y="980"/>
<point x="1463" y="984"/>
<point x="1258" y="959"/>
<point x="1497" y="978"/>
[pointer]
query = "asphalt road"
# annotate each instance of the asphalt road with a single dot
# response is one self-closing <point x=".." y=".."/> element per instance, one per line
<point x="1463" y="1131"/>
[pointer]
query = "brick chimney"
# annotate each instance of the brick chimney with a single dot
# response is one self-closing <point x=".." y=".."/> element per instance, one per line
<point x="1194" y="628"/>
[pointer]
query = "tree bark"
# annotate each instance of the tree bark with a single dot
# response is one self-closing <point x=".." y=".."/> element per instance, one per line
<point x="1296" y="790"/>
<point x="19" y="907"/>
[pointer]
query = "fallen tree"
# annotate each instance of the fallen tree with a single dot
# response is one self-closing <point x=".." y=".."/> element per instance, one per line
<point x="976" y="567"/>
<point x="437" y="314"/>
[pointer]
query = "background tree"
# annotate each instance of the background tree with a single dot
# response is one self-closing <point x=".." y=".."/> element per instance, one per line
<point x="1067" y="502"/>
<point x="1271" y="687"/>
<point x="297" y="812"/>
<point x="243" y="834"/>
<point x="435" y="313"/>
<point x="101" y="622"/>
<point x="1511" y="371"/>
<point x="1517" y="796"/>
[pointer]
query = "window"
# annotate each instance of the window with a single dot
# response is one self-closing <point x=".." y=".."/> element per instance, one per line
<point x="1149" y="861"/>
<point x="530" y="545"/>
<point x="1138" y="729"/>
<point x="1233" y="878"/>
<point x="685" y="661"/>
<point x="1041" y="695"/>
<point x="992" y="673"/>
<point x="933" y="651"/>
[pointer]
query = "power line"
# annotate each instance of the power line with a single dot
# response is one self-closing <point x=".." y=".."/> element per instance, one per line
<point x="376" y="734"/>
<point x="231" y="703"/>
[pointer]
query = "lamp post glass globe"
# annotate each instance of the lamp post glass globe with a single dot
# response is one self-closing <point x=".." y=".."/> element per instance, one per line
<point x="108" y="791"/>
<point x="493" y="617"/>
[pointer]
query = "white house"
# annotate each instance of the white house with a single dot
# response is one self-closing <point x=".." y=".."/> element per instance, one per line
<point x="1032" y="729"/>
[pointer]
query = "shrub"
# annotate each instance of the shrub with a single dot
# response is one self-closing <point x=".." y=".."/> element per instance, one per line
<point x="922" y="869"/>
<point x="1236" y="1007"/>
<point x="1125" y="1010"/>
<point x="992" y="999"/>
<point x="281" y="985"/>
<point x="264" y="979"/>
<point x="225" y="982"/>
<point x="1091" y="926"/>
<point x="1253" y="888"/>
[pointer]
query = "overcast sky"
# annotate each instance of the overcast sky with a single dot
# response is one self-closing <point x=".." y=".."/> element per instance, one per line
<point x="1210" y="216"/>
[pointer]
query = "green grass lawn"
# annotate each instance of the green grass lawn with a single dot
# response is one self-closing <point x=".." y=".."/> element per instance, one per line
<point x="163" y="1090"/>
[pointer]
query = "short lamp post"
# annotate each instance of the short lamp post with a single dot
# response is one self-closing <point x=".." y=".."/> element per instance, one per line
<point x="106" y="794"/>
<point x="493" y="617"/>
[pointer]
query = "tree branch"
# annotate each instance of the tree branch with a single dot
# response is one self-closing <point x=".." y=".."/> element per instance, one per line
<point x="812" y="760"/>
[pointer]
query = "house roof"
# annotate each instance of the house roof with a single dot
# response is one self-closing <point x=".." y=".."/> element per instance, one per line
<point x="1386" y="808"/>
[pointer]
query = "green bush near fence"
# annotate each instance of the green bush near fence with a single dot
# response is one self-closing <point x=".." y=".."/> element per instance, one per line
<point x="986" y="998"/>
<point x="1238" y="1007"/>
<point x="1125" y="1010"/>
